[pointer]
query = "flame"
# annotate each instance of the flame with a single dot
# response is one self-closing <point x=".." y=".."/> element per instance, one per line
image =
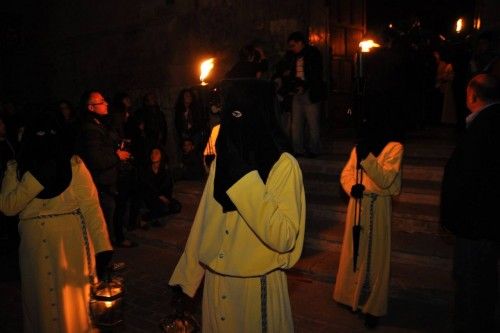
<point x="366" y="45"/>
<point x="205" y="68"/>
<point x="108" y="304"/>
<point x="459" y="25"/>
<point x="477" y="23"/>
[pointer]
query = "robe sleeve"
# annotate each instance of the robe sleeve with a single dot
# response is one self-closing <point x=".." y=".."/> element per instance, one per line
<point x="188" y="273"/>
<point x="15" y="195"/>
<point x="383" y="174"/>
<point x="88" y="201"/>
<point x="348" y="174"/>
<point x="272" y="212"/>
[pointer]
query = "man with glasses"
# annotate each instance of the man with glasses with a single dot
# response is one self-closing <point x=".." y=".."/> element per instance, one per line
<point x="99" y="148"/>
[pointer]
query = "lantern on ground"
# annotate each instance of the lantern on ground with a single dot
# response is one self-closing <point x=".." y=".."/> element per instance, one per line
<point x="106" y="303"/>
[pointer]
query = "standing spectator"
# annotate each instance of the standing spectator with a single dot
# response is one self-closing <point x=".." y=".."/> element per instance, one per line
<point x="70" y="121"/>
<point x="308" y="91"/>
<point x="444" y="80"/>
<point x="57" y="203"/>
<point x="469" y="196"/>
<point x="189" y="120"/>
<point x="7" y="151"/>
<point x="371" y="177"/>
<point x="120" y="114"/>
<point x="191" y="163"/>
<point x="486" y="55"/>
<point x="8" y="225"/>
<point x="157" y="184"/>
<point x="249" y="227"/>
<point x="460" y="61"/>
<point x="99" y="147"/>
<point x="155" y="126"/>
<point x="13" y="123"/>
<point x="127" y="199"/>
<point x="248" y="65"/>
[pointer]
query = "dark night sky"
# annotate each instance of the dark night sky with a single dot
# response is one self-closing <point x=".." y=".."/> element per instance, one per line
<point x="435" y="15"/>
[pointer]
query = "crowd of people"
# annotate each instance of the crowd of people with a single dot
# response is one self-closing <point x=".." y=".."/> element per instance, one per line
<point x="94" y="172"/>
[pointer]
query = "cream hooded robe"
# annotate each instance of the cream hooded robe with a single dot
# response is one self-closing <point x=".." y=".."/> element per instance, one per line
<point x="54" y="271"/>
<point x="234" y="250"/>
<point x="382" y="180"/>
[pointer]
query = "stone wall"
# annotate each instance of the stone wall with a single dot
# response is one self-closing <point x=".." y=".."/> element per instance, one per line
<point x="136" y="46"/>
<point x="140" y="46"/>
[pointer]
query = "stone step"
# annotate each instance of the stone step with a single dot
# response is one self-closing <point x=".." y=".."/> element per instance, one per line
<point x="414" y="193"/>
<point x="428" y="256"/>
<point x="430" y="276"/>
<point x="332" y="169"/>
<point x="416" y="149"/>
<point x="406" y="216"/>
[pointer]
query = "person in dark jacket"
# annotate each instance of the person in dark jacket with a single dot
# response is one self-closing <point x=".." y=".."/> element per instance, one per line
<point x="189" y="120"/>
<point x="157" y="185"/>
<point x="155" y="125"/>
<point x="248" y="65"/>
<point x="8" y="224"/>
<point x="308" y="91"/>
<point x="469" y="196"/>
<point x="191" y="163"/>
<point x="99" y="147"/>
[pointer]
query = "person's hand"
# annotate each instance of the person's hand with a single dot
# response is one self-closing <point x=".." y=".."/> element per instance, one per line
<point x="357" y="191"/>
<point x="102" y="261"/>
<point x="362" y="151"/>
<point x="123" y="155"/>
<point x="180" y="301"/>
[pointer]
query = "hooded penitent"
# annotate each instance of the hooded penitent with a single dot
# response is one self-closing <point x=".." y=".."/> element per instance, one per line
<point x="374" y="134"/>
<point x="249" y="130"/>
<point x="45" y="154"/>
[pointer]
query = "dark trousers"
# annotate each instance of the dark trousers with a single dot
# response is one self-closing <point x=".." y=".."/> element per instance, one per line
<point x="128" y="202"/>
<point x="158" y="209"/>
<point x="476" y="289"/>
<point x="107" y="201"/>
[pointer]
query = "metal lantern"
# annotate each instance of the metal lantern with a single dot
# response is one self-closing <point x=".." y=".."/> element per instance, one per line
<point x="106" y="303"/>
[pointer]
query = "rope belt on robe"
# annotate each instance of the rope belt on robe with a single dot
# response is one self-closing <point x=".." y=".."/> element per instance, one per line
<point x="366" y="289"/>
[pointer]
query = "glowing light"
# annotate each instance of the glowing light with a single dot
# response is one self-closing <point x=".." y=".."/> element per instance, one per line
<point x="477" y="23"/>
<point x="443" y="38"/>
<point x="459" y="25"/>
<point x="205" y="69"/>
<point x="390" y="26"/>
<point x="366" y="45"/>
<point x="315" y="38"/>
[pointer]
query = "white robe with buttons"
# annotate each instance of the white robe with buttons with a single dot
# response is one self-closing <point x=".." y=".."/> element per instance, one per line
<point x="54" y="270"/>
<point x="233" y="250"/>
<point x="367" y="289"/>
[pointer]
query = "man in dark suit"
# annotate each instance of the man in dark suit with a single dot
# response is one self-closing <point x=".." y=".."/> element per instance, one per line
<point x="98" y="146"/>
<point x="469" y="199"/>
